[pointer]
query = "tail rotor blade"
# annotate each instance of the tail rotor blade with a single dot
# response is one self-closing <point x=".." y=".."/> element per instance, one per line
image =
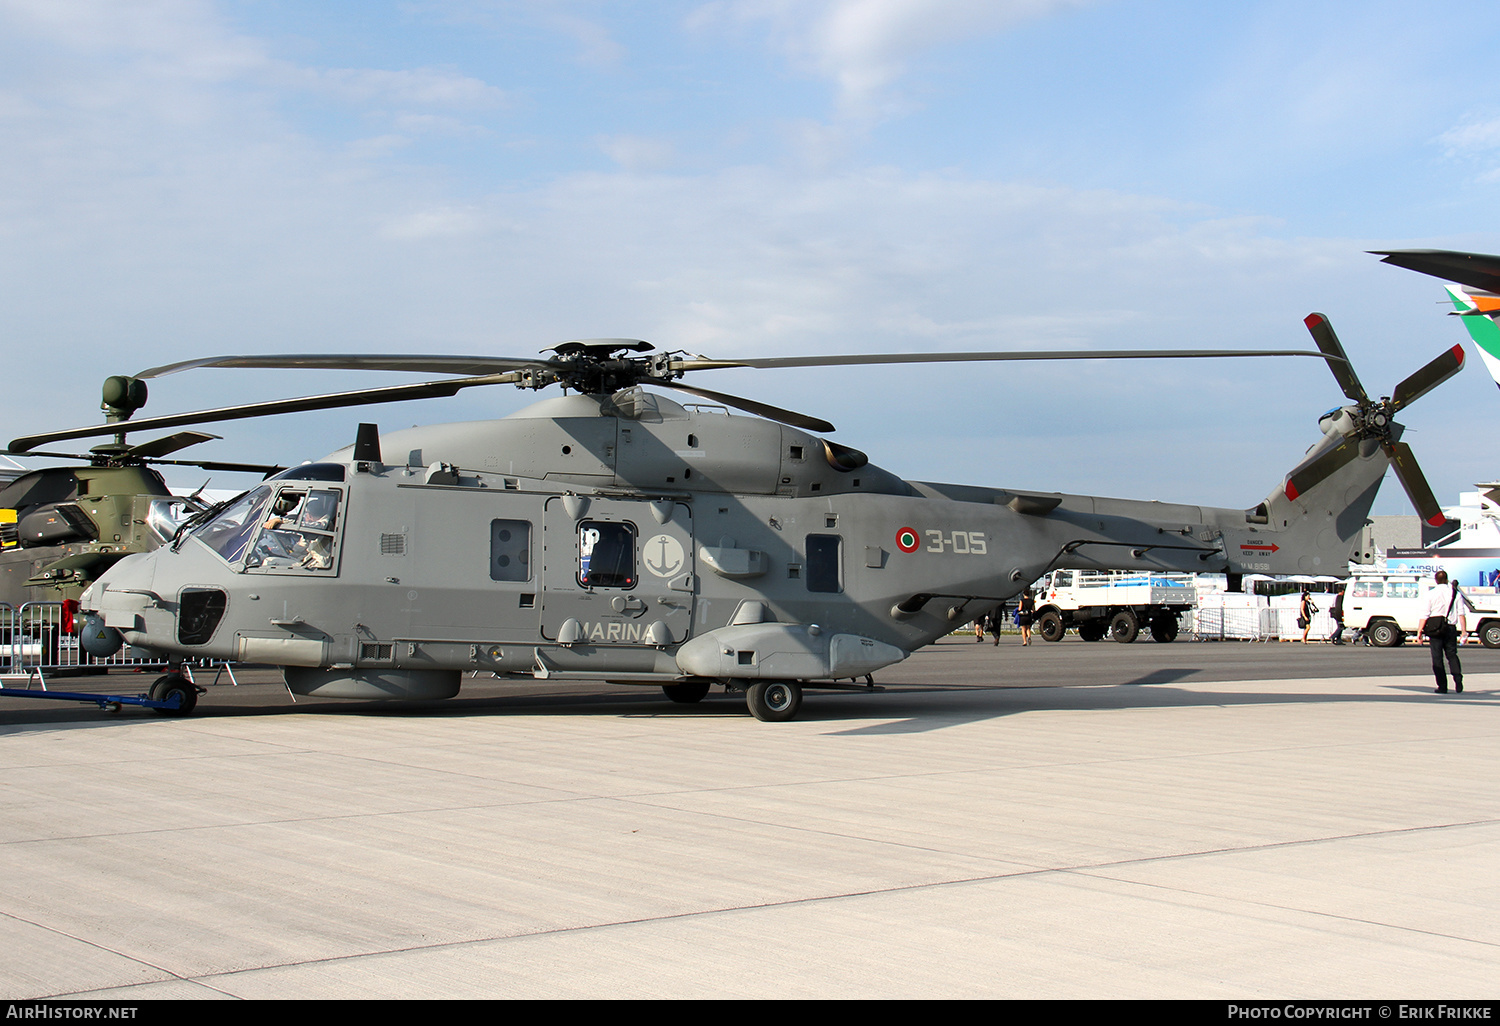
<point x="1404" y="463"/>
<point x="1428" y="378"/>
<point x="1333" y="351"/>
<point x="1311" y="474"/>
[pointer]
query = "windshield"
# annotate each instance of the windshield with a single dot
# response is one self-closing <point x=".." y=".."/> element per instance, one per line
<point x="228" y="533"/>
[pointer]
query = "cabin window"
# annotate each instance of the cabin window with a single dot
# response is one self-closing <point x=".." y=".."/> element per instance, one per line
<point x="823" y="552"/>
<point x="606" y="554"/>
<point x="510" y="550"/>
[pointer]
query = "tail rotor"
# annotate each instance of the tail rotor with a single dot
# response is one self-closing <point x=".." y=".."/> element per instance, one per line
<point x="1369" y="422"/>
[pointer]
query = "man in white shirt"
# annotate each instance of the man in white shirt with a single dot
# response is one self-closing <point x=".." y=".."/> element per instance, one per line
<point x="1443" y="623"/>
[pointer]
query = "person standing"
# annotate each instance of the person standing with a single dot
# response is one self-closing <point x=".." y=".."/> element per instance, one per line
<point x="1443" y="622"/>
<point x="1025" y="612"/>
<point x="1305" y="613"/>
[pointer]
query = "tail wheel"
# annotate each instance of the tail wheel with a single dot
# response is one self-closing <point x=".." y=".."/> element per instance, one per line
<point x="1050" y="626"/>
<point x="774" y="701"/>
<point x="1124" y="627"/>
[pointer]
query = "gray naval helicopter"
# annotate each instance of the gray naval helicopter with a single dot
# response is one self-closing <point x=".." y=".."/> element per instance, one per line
<point x="617" y="534"/>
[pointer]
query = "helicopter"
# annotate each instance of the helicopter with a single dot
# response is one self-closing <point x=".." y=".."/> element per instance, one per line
<point x="617" y="533"/>
<point x="61" y="527"/>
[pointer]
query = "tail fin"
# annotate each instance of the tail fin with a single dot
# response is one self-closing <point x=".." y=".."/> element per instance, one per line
<point x="1478" y="312"/>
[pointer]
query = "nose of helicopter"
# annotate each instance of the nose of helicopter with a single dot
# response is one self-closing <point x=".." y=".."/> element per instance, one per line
<point x="122" y="606"/>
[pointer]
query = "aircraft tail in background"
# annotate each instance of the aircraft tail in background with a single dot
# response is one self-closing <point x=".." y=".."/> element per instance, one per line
<point x="1478" y="304"/>
<point x="1479" y="311"/>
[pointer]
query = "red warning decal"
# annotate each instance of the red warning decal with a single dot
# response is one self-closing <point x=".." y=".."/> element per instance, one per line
<point x="907" y="539"/>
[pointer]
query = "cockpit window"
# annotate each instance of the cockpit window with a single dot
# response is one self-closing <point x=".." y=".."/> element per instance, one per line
<point x="230" y="531"/>
<point x="298" y="532"/>
<point x="312" y="472"/>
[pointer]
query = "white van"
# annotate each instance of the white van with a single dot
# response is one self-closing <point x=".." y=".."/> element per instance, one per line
<point x="1388" y="607"/>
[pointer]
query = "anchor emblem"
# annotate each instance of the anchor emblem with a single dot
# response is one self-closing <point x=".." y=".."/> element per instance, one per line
<point x="663" y="555"/>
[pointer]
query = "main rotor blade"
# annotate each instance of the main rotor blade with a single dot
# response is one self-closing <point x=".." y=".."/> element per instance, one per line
<point x="1479" y="270"/>
<point x="254" y="468"/>
<point x="1338" y="362"/>
<point x="863" y="359"/>
<point x="776" y="413"/>
<point x="364" y="397"/>
<point x="1428" y="378"/>
<point x="418" y="363"/>
<point x="1404" y="463"/>
<point x="264" y="469"/>
<point x="170" y="443"/>
<point x="1304" y="478"/>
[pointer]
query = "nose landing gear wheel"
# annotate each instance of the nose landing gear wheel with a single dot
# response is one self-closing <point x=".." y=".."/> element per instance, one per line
<point x="174" y="684"/>
<point x="774" y="701"/>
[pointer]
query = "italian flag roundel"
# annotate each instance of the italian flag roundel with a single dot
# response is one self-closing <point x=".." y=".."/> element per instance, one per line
<point x="907" y="539"/>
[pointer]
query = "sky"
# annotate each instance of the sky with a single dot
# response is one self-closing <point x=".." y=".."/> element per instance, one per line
<point x="188" y="178"/>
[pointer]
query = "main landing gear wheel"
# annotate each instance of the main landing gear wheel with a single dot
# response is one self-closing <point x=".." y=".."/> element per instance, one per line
<point x="687" y="693"/>
<point x="1050" y="626"/>
<point x="1124" y="627"/>
<point x="774" y="701"/>
<point x="164" y="688"/>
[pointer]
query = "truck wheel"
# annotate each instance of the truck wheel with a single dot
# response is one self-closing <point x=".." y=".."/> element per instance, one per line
<point x="1050" y="626"/>
<point x="1164" y="630"/>
<point x="1093" y="630"/>
<point x="1383" y="634"/>
<point x="1124" y="627"/>
<point x="1489" y="633"/>
<point x="774" y="701"/>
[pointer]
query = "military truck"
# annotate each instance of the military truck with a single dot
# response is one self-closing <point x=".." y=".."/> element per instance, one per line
<point x="1113" y="603"/>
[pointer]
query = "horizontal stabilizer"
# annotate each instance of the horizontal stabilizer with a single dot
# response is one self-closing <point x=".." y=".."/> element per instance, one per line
<point x="1479" y="270"/>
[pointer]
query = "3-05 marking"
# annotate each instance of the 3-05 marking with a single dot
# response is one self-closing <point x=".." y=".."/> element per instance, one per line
<point x="960" y="543"/>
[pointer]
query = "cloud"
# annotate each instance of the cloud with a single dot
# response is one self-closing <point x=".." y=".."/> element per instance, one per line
<point x="1471" y="137"/>
<point x="638" y="153"/>
<point x="422" y="87"/>
<point x="865" y="46"/>
<point x="1473" y="143"/>
<point x="144" y="220"/>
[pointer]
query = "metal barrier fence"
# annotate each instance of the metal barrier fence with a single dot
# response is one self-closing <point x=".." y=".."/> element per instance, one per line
<point x="1259" y="623"/>
<point x="34" y="642"/>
